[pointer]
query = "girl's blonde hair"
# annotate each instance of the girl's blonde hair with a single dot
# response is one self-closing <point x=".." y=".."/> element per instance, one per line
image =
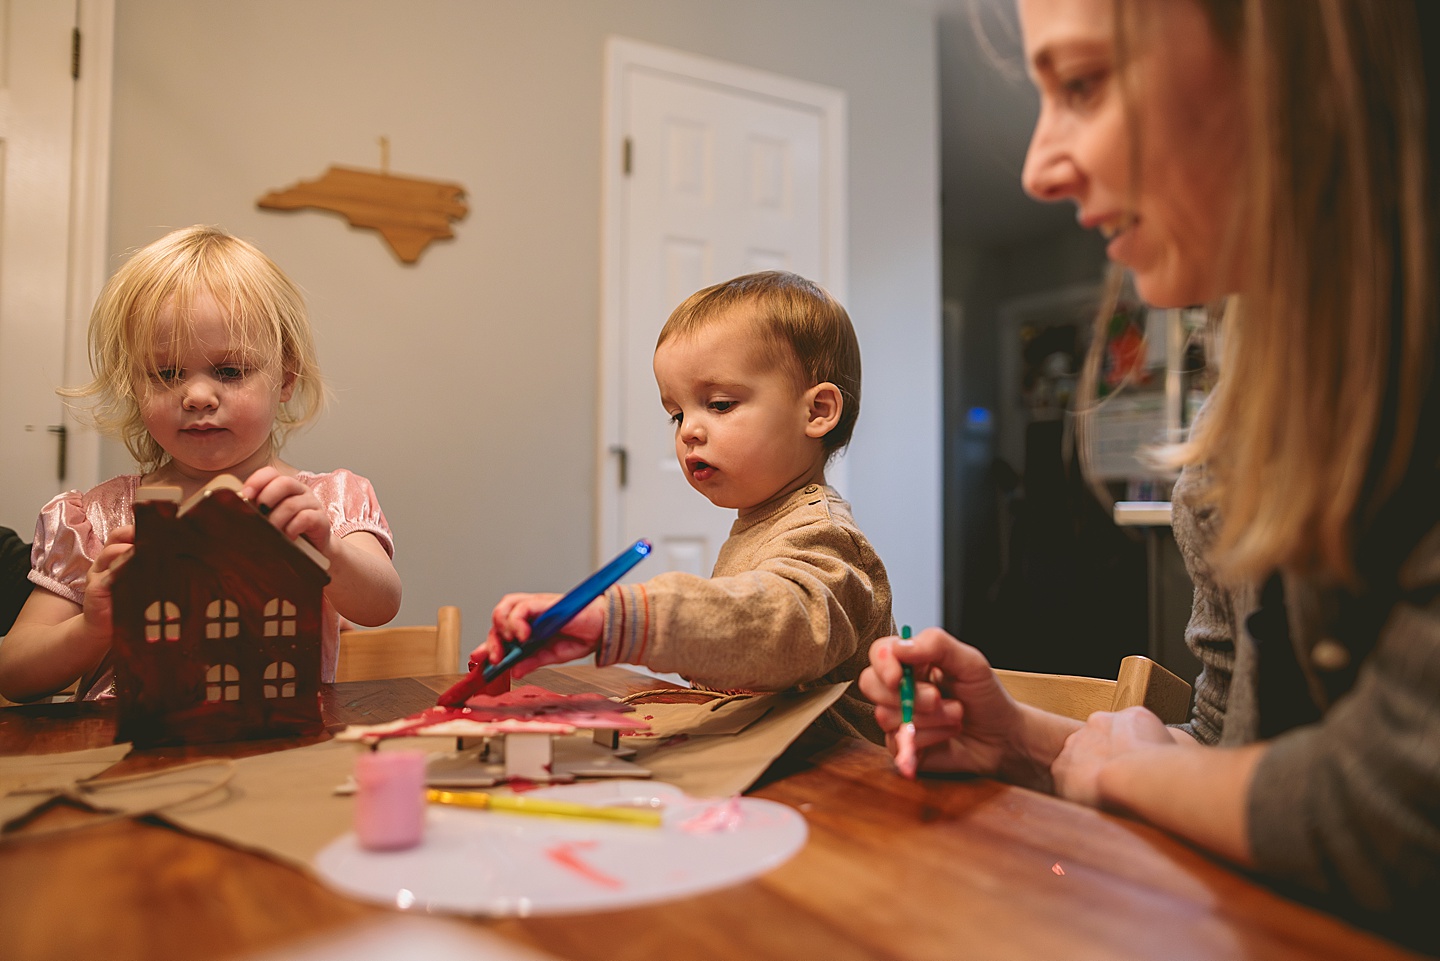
<point x="1325" y="403"/>
<point x="265" y="311"/>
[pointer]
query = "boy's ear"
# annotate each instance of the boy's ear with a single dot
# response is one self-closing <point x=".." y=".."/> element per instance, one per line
<point x="824" y="403"/>
<point x="287" y="386"/>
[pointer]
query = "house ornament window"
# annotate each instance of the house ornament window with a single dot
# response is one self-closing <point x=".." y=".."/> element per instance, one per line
<point x="282" y="671"/>
<point x="222" y="682"/>
<point x="222" y="619"/>
<point x="162" y="619"/>
<point x="279" y="618"/>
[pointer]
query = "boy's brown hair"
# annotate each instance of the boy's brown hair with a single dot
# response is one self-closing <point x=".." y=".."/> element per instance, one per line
<point x="806" y="328"/>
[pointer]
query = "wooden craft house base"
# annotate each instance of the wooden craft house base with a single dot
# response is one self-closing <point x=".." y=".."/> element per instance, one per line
<point x="539" y="758"/>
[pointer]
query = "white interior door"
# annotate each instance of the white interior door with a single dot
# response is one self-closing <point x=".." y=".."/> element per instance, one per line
<point x="54" y="176"/>
<point x="36" y="123"/>
<point x="719" y="174"/>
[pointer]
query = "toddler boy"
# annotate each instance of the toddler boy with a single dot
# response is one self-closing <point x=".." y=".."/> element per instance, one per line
<point x="761" y="377"/>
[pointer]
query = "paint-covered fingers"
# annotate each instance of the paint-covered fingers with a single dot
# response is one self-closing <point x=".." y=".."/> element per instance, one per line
<point x="510" y="621"/>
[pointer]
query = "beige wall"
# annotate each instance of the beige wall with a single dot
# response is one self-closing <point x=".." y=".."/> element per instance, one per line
<point x="465" y="385"/>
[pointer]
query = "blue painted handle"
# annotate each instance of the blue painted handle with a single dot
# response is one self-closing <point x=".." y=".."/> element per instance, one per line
<point x="548" y="624"/>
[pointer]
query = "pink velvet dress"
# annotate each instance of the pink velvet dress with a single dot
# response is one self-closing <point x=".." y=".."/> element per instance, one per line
<point x="73" y="527"/>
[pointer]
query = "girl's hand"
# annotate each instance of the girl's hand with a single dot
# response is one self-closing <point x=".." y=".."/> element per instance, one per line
<point x="98" y="612"/>
<point x="511" y="623"/>
<point x="1104" y="737"/>
<point x="290" y="505"/>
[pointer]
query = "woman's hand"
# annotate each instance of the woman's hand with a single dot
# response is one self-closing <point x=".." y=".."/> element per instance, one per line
<point x="511" y="623"/>
<point x="290" y="505"/>
<point x="1104" y="737"/>
<point x="964" y="720"/>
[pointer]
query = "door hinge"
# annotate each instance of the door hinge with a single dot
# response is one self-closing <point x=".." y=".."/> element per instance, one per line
<point x="75" y="54"/>
<point x="629" y="153"/>
<point x="624" y="457"/>
<point x="63" y="435"/>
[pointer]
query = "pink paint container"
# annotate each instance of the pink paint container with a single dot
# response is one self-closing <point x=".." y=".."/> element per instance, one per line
<point x="390" y="799"/>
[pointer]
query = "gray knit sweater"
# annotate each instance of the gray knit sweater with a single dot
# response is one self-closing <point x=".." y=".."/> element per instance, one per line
<point x="1346" y="806"/>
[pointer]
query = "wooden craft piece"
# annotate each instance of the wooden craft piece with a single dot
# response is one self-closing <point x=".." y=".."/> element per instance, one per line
<point x="525" y="721"/>
<point x="217" y="623"/>
<point x="408" y="212"/>
<point x="525" y="710"/>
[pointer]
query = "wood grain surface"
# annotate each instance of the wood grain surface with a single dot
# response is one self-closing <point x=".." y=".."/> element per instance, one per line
<point x="933" y="869"/>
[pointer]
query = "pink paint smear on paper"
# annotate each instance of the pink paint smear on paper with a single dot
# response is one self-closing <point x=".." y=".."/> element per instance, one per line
<point x="565" y="855"/>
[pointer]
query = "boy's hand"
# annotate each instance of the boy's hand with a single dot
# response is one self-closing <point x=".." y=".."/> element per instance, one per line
<point x="98" y="611"/>
<point x="511" y="623"/>
<point x="290" y="505"/>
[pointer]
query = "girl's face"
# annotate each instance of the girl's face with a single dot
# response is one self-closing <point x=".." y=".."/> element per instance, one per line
<point x="740" y="420"/>
<point x="211" y="405"/>
<point x="1173" y="220"/>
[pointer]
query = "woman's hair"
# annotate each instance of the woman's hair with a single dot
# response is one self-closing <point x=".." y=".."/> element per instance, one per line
<point x="806" y="329"/>
<point x="1322" y="410"/>
<point x="264" y="309"/>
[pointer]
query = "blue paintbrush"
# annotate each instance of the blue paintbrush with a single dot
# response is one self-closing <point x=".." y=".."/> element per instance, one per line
<point x="546" y="626"/>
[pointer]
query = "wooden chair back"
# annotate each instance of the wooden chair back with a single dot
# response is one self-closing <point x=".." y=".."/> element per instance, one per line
<point x="375" y="653"/>
<point x="1141" y="681"/>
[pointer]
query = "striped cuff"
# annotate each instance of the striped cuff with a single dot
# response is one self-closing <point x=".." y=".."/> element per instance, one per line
<point x="627" y="626"/>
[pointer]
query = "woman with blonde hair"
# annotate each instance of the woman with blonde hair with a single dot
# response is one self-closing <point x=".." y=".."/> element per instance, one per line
<point x="1277" y="156"/>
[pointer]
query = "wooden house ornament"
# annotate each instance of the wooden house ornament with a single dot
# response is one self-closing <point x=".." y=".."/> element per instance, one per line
<point x="217" y="622"/>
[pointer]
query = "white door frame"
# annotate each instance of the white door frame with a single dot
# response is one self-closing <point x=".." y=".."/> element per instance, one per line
<point x="621" y="56"/>
<point x="89" y="217"/>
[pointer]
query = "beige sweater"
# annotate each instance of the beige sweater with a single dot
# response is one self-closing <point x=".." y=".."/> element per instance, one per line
<point x="795" y="599"/>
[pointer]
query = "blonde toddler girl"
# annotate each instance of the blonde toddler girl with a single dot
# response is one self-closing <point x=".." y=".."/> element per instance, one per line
<point x="204" y="362"/>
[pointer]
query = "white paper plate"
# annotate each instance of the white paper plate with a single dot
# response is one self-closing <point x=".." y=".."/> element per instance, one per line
<point x="497" y="863"/>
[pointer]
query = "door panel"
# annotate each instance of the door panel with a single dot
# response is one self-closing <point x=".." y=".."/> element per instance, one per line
<point x="36" y="124"/>
<point x="723" y="182"/>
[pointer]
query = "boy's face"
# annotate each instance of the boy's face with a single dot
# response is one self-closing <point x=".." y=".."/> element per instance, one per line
<point x="740" y="417"/>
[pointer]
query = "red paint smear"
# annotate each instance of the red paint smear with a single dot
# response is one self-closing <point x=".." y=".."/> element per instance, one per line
<point x="529" y="703"/>
<point x="565" y="856"/>
<point x="1057" y="869"/>
<point x="522" y="784"/>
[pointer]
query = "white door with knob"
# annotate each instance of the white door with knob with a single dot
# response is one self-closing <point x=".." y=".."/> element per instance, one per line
<point x="54" y="124"/>
<point x="712" y="171"/>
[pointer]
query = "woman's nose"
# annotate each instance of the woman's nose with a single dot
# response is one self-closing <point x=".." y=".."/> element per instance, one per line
<point x="1049" y="173"/>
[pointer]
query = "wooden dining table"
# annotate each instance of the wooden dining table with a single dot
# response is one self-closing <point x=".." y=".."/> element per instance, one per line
<point x="938" y="868"/>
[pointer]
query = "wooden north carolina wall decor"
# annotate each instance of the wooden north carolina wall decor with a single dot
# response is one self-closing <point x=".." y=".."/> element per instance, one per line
<point x="407" y="211"/>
